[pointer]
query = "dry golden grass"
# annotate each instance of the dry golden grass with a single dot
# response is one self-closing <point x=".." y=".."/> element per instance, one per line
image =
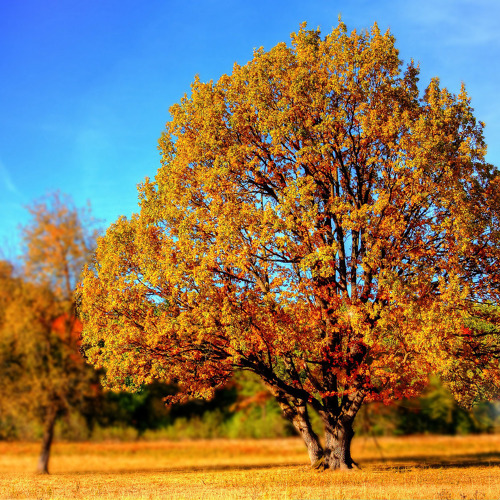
<point x="392" y="468"/>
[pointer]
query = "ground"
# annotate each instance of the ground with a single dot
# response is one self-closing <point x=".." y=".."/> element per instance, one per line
<point x="391" y="468"/>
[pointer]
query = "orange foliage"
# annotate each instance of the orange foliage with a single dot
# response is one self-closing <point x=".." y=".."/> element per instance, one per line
<point x="69" y="329"/>
<point x="316" y="221"/>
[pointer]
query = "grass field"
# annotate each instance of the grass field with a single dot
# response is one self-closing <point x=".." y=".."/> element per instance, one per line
<point x="413" y="467"/>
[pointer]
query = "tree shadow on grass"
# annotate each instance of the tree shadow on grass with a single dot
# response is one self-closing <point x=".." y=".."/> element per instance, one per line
<point x="381" y="464"/>
<point x="435" y="462"/>
<point x="186" y="469"/>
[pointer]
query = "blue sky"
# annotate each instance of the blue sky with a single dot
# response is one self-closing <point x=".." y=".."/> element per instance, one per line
<point x="85" y="86"/>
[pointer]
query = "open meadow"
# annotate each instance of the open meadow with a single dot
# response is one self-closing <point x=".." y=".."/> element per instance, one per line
<point x="426" y="467"/>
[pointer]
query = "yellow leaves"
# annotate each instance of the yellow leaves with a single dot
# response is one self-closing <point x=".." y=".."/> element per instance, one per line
<point x="321" y="262"/>
<point x="308" y="203"/>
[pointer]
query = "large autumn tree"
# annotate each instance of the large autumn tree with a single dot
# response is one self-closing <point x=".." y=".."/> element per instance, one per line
<point x="317" y="221"/>
<point x="43" y="373"/>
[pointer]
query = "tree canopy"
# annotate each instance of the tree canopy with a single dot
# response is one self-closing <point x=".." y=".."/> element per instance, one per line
<point x="316" y="220"/>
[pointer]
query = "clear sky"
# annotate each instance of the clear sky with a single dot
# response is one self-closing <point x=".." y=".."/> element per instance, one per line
<point x="85" y="86"/>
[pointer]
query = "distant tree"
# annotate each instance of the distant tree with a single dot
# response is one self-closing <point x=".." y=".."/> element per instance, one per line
<point x="315" y="221"/>
<point x="42" y="369"/>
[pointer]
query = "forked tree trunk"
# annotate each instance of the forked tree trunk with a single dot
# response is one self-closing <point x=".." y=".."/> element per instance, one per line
<point x="48" y="435"/>
<point x="337" y="452"/>
<point x="337" y="425"/>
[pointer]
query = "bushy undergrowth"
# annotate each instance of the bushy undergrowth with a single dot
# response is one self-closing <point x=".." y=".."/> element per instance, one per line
<point x="244" y="409"/>
<point x="434" y="412"/>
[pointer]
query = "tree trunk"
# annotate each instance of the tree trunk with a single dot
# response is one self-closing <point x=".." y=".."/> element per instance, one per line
<point x="337" y="422"/>
<point x="339" y="432"/>
<point x="295" y="411"/>
<point x="48" y="435"/>
<point x="338" y="446"/>
<point x="302" y="424"/>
